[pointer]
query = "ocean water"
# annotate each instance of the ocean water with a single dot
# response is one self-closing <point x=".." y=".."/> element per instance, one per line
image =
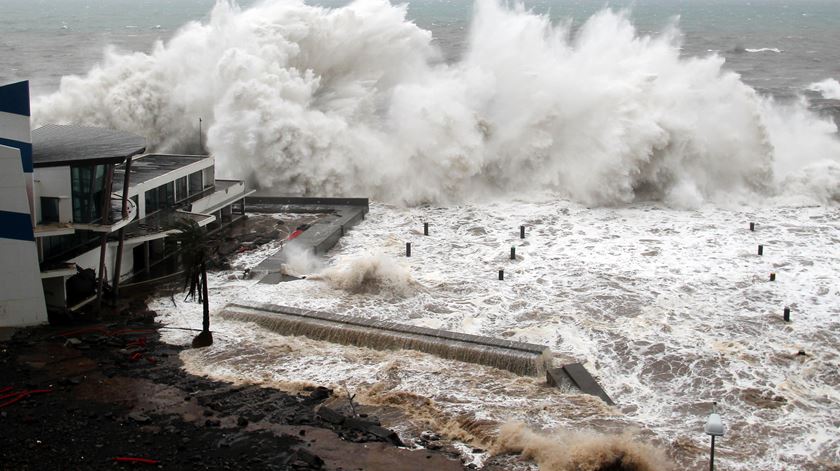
<point x="636" y="144"/>
<point x="671" y="310"/>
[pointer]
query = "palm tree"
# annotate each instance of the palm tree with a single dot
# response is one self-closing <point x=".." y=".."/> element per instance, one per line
<point x="193" y="242"/>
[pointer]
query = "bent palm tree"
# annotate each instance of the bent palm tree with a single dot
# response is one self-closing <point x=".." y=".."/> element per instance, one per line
<point x="193" y="242"/>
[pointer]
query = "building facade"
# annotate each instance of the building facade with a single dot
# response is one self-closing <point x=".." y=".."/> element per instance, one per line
<point x="101" y="210"/>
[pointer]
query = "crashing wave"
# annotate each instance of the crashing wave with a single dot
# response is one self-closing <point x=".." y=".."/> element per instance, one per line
<point x="356" y="100"/>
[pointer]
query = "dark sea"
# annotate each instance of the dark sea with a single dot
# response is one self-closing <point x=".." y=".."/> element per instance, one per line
<point x="778" y="46"/>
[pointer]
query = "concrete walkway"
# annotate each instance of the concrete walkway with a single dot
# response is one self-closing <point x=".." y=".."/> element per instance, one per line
<point x="340" y="215"/>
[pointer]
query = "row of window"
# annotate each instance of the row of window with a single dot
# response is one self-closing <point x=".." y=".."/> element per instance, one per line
<point x="88" y="185"/>
<point x="166" y="195"/>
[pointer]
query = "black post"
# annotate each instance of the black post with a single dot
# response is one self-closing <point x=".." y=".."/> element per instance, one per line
<point x="408" y="249"/>
<point x="425" y="228"/>
<point x="521" y="232"/>
<point x="205" y="318"/>
<point x="712" y="459"/>
<point x="752" y="226"/>
<point x="761" y="250"/>
<point x="772" y="277"/>
<point x="501" y="274"/>
<point x="787" y="314"/>
<point x="513" y="253"/>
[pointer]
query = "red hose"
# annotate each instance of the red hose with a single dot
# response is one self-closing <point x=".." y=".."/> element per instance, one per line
<point x="17" y="396"/>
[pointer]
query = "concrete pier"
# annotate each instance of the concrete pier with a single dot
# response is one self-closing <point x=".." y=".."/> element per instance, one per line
<point x="341" y="215"/>
<point x="575" y="376"/>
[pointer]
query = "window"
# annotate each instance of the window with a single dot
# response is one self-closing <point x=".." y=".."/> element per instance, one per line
<point x="166" y="195"/>
<point x="195" y="183"/>
<point x="151" y="201"/>
<point x="181" y="189"/>
<point x="87" y="186"/>
<point x="60" y="247"/>
<point x="49" y="210"/>
<point x="160" y="198"/>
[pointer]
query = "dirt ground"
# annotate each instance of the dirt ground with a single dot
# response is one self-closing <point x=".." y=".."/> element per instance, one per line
<point x="105" y="395"/>
<point x="104" y="392"/>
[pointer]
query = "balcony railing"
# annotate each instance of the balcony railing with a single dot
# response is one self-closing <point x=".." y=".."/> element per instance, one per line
<point x="115" y="217"/>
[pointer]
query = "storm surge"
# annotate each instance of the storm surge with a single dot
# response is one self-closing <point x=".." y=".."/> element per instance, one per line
<point x="357" y="100"/>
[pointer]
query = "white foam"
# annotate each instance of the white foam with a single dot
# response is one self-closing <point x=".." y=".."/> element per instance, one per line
<point x="829" y="88"/>
<point x="357" y="100"/>
<point x="670" y="309"/>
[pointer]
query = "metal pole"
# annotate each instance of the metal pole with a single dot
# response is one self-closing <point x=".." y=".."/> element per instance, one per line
<point x="712" y="459"/>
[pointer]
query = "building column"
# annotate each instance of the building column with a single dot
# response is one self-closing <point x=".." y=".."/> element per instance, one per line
<point x="118" y="263"/>
<point x="103" y="246"/>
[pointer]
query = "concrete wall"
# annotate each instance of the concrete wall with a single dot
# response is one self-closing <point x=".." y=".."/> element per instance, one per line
<point x="54" y="182"/>
<point x="21" y="291"/>
<point x="90" y="259"/>
<point x="218" y="197"/>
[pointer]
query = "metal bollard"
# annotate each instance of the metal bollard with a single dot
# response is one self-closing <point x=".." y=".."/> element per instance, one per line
<point x="408" y="249"/>
<point x="787" y="314"/>
<point x="513" y="253"/>
<point x="761" y="250"/>
<point x="425" y="228"/>
<point x="501" y="275"/>
<point x="772" y="277"/>
<point x="752" y="226"/>
<point x="521" y="232"/>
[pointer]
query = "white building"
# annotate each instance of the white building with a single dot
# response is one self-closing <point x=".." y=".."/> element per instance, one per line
<point x="21" y="296"/>
<point x="81" y="217"/>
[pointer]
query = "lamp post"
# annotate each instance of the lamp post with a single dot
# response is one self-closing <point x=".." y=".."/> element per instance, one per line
<point x="714" y="428"/>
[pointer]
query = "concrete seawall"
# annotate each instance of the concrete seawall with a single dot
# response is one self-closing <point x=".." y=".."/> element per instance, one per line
<point x="518" y="357"/>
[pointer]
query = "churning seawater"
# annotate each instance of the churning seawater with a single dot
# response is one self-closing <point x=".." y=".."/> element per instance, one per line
<point x="636" y="147"/>
<point x="670" y="309"/>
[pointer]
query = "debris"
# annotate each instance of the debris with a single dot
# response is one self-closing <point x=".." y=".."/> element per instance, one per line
<point x="139" y="418"/>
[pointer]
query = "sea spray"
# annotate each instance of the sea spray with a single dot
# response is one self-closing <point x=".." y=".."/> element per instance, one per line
<point x="580" y="451"/>
<point x="376" y="273"/>
<point x="300" y="261"/>
<point x="828" y="88"/>
<point x="356" y="100"/>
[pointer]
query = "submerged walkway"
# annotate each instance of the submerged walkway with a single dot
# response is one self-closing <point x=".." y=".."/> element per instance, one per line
<point x="340" y="215"/>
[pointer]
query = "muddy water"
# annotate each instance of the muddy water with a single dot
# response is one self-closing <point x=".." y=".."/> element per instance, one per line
<point x="669" y="309"/>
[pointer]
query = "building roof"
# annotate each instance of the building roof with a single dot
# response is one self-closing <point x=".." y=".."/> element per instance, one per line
<point x="152" y="166"/>
<point x="58" y="145"/>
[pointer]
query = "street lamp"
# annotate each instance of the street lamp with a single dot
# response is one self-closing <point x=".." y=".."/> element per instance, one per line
<point x="714" y="427"/>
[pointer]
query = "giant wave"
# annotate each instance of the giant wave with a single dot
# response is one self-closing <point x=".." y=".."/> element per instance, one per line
<point x="357" y="100"/>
